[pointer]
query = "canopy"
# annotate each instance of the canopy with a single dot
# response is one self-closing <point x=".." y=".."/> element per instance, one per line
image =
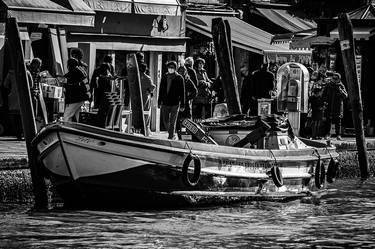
<point x="287" y="21"/>
<point x="64" y="12"/>
<point x="157" y="7"/>
<point x="244" y="35"/>
<point x="358" y="32"/>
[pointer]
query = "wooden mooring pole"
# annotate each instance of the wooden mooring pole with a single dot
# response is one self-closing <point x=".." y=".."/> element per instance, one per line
<point x="27" y="112"/>
<point x="221" y="35"/>
<point x="348" y="54"/>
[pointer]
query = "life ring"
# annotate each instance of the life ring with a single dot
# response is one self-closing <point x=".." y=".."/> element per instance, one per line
<point x="197" y="171"/>
<point x="277" y="177"/>
<point x="332" y="169"/>
<point x="320" y="174"/>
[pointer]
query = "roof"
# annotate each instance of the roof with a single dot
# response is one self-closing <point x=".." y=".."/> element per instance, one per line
<point x="244" y="35"/>
<point x="286" y="20"/>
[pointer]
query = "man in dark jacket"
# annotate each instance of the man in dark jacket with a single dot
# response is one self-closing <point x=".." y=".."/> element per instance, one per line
<point x="76" y="90"/>
<point x="171" y="98"/>
<point x="189" y="64"/>
<point x="190" y="93"/>
<point x="334" y="95"/>
<point x="262" y="82"/>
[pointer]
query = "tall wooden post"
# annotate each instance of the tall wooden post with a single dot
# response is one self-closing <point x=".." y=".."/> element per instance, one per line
<point x="224" y="52"/>
<point x="27" y="112"/>
<point x="348" y="54"/>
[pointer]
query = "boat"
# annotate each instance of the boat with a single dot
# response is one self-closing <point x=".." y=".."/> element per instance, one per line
<point x="96" y="167"/>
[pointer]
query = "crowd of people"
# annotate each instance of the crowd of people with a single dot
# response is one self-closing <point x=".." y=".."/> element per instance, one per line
<point x="186" y="91"/>
<point x="327" y="94"/>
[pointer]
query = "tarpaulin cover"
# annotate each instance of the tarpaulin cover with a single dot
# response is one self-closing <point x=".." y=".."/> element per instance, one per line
<point x="244" y="35"/>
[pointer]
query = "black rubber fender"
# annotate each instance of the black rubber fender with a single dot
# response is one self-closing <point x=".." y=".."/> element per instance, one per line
<point x="332" y="170"/>
<point x="320" y="174"/>
<point x="197" y="171"/>
<point x="277" y="177"/>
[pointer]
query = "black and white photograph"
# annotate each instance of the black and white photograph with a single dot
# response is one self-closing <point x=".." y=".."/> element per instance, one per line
<point x="190" y="124"/>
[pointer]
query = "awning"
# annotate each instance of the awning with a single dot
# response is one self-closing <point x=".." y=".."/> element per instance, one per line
<point x="68" y="12"/>
<point x="129" y="42"/>
<point x="287" y="21"/>
<point x="118" y="6"/>
<point x="244" y="35"/>
<point x="157" y="7"/>
<point x="358" y="33"/>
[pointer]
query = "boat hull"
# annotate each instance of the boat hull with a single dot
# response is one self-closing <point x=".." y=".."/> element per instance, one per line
<point x="93" y="167"/>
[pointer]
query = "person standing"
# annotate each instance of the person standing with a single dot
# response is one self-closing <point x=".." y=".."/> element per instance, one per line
<point x="171" y="98"/>
<point x="262" y="83"/>
<point x="201" y="102"/>
<point x="147" y="87"/>
<point x="189" y="64"/>
<point x="317" y="111"/>
<point x="245" y="89"/>
<point x="190" y="93"/>
<point x="100" y="83"/>
<point x="76" y="90"/>
<point x="334" y="95"/>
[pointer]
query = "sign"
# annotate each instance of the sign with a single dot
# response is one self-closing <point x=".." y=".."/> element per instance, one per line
<point x="35" y="36"/>
<point x="281" y="57"/>
<point x="358" y="67"/>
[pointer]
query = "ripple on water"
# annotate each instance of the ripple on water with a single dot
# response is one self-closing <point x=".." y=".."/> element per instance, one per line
<point x="345" y="218"/>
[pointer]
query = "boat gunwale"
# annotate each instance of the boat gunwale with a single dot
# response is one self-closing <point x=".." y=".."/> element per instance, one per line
<point x="326" y="152"/>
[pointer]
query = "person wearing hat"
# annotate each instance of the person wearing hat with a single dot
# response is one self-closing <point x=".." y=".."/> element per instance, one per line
<point x="201" y="102"/>
<point x="334" y="95"/>
<point x="171" y="98"/>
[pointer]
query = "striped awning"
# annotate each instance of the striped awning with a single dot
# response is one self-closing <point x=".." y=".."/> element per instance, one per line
<point x="64" y="12"/>
<point x="244" y="35"/>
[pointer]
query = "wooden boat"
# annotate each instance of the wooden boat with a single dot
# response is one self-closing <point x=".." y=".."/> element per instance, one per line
<point x="90" y="166"/>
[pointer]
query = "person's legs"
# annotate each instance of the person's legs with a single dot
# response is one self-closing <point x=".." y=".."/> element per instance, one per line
<point x="327" y="127"/>
<point x="16" y="123"/>
<point x="172" y="121"/>
<point x="178" y="124"/>
<point x="337" y="122"/>
<point x="78" y="110"/>
<point x="314" y="129"/>
<point x="164" y="112"/>
<point x="71" y="111"/>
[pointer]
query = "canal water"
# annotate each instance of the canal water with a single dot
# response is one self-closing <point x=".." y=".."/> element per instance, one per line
<point x="343" y="219"/>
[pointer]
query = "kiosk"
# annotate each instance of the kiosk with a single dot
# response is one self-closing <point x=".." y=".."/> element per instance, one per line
<point x="292" y="92"/>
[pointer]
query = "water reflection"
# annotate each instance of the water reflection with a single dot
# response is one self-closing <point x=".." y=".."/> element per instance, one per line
<point x="344" y="219"/>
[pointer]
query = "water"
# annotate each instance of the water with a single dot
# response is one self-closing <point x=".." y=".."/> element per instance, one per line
<point x="343" y="219"/>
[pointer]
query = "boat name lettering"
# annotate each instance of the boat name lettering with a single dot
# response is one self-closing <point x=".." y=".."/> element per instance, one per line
<point x="245" y="164"/>
<point x="190" y="127"/>
<point x="84" y="139"/>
